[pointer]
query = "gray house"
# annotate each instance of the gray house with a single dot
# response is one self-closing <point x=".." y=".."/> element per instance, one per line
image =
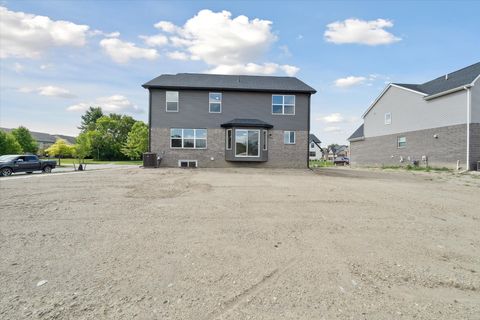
<point x="209" y="120"/>
<point x="435" y="123"/>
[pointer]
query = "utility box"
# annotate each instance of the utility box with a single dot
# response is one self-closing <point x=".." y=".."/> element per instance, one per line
<point x="150" y="160"/>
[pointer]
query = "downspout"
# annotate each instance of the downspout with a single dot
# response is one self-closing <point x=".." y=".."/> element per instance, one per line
<point x="149" y="120"/>
<point x="469" y="111"/>
<point x="308" y="132"/>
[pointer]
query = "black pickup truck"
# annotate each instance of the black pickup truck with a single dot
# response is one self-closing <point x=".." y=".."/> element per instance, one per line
<point x="24" y="163"/>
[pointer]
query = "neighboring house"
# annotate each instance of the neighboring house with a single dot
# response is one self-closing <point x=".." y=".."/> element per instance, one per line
<point x="338" y="151"/>
<point x="315" y="152"/>
<point x="437" y="123"/>
<point x="209" y="120"/>
<point x="45" y="140"/>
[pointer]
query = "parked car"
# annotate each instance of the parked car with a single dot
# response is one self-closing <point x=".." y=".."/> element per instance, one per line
<point x="24" y="163"/>
<point x="341" y="160"/>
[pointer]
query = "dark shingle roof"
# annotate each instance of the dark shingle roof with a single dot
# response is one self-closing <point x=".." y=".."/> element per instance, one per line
<point x="229" y="82"/>
<point x="357" y="134"/>
<point x="454" y="80"/>
<point x="246" y="123"/>
<point x="314" y="138"/>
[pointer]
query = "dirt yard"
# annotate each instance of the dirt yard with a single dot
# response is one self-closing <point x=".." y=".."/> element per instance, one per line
<point x="240" y="244"/>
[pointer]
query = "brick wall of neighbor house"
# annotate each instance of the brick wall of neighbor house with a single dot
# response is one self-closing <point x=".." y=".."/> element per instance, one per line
<point x="474" y="145"/>
<point x="444" y="151"/>
<point x="280" y="155"/>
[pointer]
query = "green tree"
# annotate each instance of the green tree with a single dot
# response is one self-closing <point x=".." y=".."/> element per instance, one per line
<point x="82" y="147"/>
<point x="8" y="144"/>
<point x="110" y="135"/>
<point x="60" y="149"/>
<point x="90" y="118"/>
<point x="137" y="141"/>
<point x="25" y="139"/>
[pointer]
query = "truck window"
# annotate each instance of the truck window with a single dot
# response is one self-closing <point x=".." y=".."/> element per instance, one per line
<point x="30" y="158"/>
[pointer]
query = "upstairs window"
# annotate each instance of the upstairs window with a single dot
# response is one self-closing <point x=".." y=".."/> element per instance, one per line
<point x="401" y="142"/>
<point x="289" y="137"/>
<point x="215" y="102"/>
<point x="171" y="101"/>
<point x="283" y="104"/>
<point x="388" y="118"/>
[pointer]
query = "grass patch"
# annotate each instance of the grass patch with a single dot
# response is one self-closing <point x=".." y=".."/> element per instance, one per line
<point x="410" y="167"/>
<point x="320" y="163"/>
<point x="69" y="162"/>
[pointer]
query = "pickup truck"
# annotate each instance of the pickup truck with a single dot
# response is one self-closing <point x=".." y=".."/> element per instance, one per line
<point x="24" y="163"/>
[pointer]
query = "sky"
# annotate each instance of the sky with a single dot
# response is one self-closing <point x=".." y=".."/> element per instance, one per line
<point x="57" y="58"/>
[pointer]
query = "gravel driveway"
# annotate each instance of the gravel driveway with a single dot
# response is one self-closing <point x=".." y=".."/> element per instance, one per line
<point x="240" y="244"/>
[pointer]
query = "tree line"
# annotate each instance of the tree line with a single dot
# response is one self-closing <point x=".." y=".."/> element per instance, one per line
<point x="102" y="137"/>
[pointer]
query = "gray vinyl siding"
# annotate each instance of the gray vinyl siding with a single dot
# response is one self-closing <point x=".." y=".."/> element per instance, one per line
<point x="410" y="112"/>
<point x="475" y="96"/>
<point x="194" y="113"/>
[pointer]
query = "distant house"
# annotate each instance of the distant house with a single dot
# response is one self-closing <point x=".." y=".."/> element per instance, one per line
<point x="315" y="151"/>
<point x="435" y="123"/>
<point x="207" y="120"/>
<point x="45" y="140"/>
<point x="337" y="151"/>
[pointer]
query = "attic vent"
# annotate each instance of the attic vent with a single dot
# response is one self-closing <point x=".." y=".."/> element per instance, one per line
<point x="446" y="76"/>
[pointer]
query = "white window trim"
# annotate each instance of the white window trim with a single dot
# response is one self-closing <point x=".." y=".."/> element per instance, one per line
<point x="166" y="101"/>
<point x="390" y="118"/>
<point x="247" y="156"/>
<point x="194" y="139"/>
<point x="226" y="139"/>
<point x="398" y="142"/>
<point x="294" y="137"/>
<point x="221" y="99"/>
<point x="185" y="160"/>
<point x="283" y="105"/>
<point x="265" y="140"/>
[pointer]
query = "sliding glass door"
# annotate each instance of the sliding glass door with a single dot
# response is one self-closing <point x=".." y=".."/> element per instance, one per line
<point x="247" y="143"/>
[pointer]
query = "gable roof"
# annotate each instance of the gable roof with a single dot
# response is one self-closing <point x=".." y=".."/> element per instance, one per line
<point x="357" y="135"/>
<point x="228" y="82"/>
<point x="314" y="138"/>
<point x="453" y="80"/>
<point x="46" y="137"/>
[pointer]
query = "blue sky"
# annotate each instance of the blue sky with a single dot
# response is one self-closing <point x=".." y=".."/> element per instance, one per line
<point x="59" y="57"/>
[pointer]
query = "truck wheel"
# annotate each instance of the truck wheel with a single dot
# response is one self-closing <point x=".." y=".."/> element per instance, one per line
<point x="47" y="169"/>
<point x="6" y="172"/>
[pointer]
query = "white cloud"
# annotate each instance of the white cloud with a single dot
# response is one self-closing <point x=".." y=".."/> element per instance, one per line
<point x="177" y="55"/>
<point x="360" y="31"/>
<point x="332" y="118"/>
<point x="332" y="129"/>
<point x="115" y="103"/>
<point x="228" y="44"/>
<point x="46" y="66"/>
<point x="349" y="81"/>
<point x="29" y="36"/>
<point x="49" y="91"/>
<point x="253" y="68"/>
<point x="115" y="34"/>
<point x="18" y="67"/>
<point x="155" y="41"/>
<point x="122" y="52"/>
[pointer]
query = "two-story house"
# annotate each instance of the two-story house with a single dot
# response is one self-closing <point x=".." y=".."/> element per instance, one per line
<point x="315" y="151"/>
<point x="436" y="123"/>
<point x="210" y="120"/>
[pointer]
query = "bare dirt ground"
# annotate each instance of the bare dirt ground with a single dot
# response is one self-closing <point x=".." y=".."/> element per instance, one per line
<point x="240" y="244"/>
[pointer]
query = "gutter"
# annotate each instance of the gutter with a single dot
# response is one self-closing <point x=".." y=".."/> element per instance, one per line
<point x="443" y="93"/>
<point x="469" y="111"/>
<point x="356" y="139"/>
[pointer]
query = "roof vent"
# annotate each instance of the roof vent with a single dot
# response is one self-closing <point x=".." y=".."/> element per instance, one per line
<point x="446" y="76"/>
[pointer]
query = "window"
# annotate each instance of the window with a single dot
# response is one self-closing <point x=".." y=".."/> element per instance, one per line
<point x="229" y="139"/>
<point x="388" y="118"/>
<point x="188" y="138"/>
<point x="265" y="140"/>
<point x="313" y="153"/>
<point x="289" y="137"/>
<point x="171" y="98"/>
<point x="401" y="142"/>
<point x="312" y="145"/>
<point x="187" y="163"/>
<point x="247" y="143"/>
<point x="283" y="104"/>
<point x="214" y="102"/>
